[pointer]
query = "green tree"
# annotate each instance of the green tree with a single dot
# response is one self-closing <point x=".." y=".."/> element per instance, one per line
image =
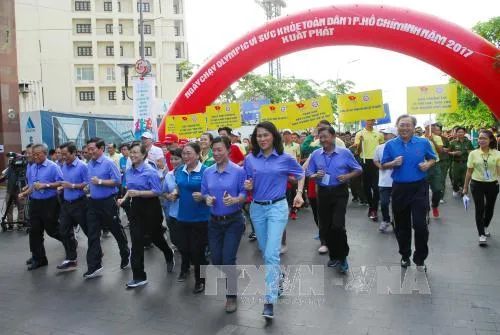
<point x="187" y="69"/>
<point x="472" y="112"/>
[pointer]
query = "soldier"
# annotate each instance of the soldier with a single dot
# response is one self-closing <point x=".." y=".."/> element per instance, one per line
<point x="459" y="152"/>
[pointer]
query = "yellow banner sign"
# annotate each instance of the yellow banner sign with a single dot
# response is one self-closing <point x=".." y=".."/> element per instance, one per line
<point x="170" y="125"/>
<point x="277" y="114"/>
<point x="190" y="126"/>
<point x="226" y="115"/>
<point x="360" y="106"/>
<point x="306" y="114"/>
<point x="432" y="99"/>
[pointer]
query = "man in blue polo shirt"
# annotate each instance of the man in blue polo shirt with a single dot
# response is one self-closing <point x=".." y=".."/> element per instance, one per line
<point x="332" y="168"/>
<point x="103" y="177"/>
<point x="45" y="177"/>
<point x="74" y="203"/>
<point x="410" y="157"/>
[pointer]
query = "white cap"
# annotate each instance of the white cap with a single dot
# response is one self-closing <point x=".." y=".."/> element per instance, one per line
<point x="429" y="123"/>
<point x="236" y="133"/>
<point x="147" y="134"/>
<point x="390" y="130"/>
<point x="287" y="131"/>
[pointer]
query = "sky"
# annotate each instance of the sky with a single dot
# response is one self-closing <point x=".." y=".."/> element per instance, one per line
<point x="214" y="24"/>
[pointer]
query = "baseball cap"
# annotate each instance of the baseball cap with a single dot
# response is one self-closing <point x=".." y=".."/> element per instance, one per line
<point x="287" y="131"/>
<point x="236" y="133"/>
<point x="147" y="134"/>
<point x="171" y="138"/>
<point x="390" y="130"/>
<point x="183" y="141"/>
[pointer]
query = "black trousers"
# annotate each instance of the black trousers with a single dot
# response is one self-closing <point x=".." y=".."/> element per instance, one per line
<point x="103" y="213"/>
<point x="357" y="189"/>
<point x="193" y="240"/>
<point x="314" y="207"/>
<point x="410" y="207"/>
<point x="332" y="204"/>
<point x="44" y="215"/>
<point x="484" y="195"/>
<point x="370" y="183"/>
<point x="146" y="217"/>
<point x="72" y="215"/>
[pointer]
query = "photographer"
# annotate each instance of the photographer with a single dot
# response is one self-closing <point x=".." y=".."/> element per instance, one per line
<point x="15" y="174"/>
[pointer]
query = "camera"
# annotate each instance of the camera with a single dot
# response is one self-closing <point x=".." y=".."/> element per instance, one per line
<point x="18" y="163"/>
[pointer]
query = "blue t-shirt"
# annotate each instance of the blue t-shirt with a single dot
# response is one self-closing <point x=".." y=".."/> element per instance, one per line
<point x="415" y="151"/>
<point x="187" y="183"/>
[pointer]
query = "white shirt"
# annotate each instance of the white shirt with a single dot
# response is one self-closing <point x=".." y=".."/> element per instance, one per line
<point x="385" y="175"/>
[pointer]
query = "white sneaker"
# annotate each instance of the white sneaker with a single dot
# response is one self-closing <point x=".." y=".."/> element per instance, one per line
<point x="486" y="232"/>
<point x="323" y="249"/>
<point x="284" y="249"/>
<point x="483" y="240"/>
<point x="384" y="227"/>
<point x="441" y="201"/>
<point x="455" y="194"/>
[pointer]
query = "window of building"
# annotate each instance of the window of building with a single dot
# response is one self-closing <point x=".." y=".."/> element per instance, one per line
<point x="178" y="50"/>
<point x="83" y="28"/>
<point x="119" y="6"/>
<point x="177" y="7"/>
<point x="108" y="6"/>
<point x="123" y="95"/>
<point x="87" y="96"/>
<point x="121" y="50"/>
<point x="120" y="28"/>
<point x="148" y="51"/>
<point x="177" y="31"/>
<point x="84" y="51"/>
<point x="111" y="95"/>
<point x="178" y="73"/>
<point x="110" y="50"/>
<point x="109" y="28"/>
<point x="82" y="6"/>
<point x="110" y="74"/>
<point x="146" y="7"/>
<point x="84" y="73"/>
<point x="147" y="29"/>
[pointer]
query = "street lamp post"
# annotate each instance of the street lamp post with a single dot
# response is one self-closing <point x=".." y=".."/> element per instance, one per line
<point x="337" y="82"/>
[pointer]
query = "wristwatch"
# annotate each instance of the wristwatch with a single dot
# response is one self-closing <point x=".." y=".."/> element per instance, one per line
<point x="73" y="186"/>
<point x="47" y="185"/>
<point x="100" y="182"/>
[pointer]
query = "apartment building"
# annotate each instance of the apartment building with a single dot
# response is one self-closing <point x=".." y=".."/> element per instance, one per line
<point x="69" y="52"/>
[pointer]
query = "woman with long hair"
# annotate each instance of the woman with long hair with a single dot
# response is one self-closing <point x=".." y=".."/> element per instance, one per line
<point x="146" y="217"/>
<point x="483" y="171"/>
<point x="193" y="215"/>
<point x="223" y="189"/>
<point x="206" y="155"/>
<point x="268" y="168"/>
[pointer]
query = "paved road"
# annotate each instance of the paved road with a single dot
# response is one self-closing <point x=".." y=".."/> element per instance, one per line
<point x="463" y="279"/>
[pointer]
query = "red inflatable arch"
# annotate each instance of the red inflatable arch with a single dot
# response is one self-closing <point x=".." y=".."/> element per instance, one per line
<point x="465" y="56"/>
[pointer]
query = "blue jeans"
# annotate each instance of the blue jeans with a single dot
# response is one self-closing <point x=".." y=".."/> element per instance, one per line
<point x="270" y="222"/>
<point x="385" y="201"/>
<point x="224" y="239"/>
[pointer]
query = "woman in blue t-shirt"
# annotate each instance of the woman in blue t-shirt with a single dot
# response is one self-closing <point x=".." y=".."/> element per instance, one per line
<point x="193" y="215"/>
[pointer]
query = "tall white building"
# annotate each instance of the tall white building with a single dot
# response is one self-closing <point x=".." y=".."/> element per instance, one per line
<point x="69" y="50"/>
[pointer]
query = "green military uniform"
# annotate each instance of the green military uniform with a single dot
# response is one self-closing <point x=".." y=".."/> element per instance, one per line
<point x="444" y="164"/>
<point x="459" y="163"/>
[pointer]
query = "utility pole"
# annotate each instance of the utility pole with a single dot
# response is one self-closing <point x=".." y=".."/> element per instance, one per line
<point x="273" y="10"/>
<point x="141" y="24"/>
